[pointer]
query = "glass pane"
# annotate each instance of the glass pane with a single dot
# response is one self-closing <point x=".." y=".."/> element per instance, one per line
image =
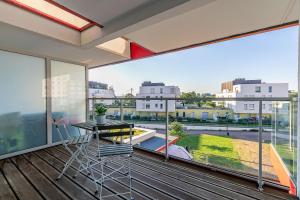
<point x="211" y="133"/>
<point x="284" y="142"/>
<point x="68" y="95"/>
<point x="23" y="105"/>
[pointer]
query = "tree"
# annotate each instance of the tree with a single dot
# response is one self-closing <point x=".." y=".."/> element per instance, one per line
<point x="129" y="102"/>
<point x="210" y="104"/>
<point x="189" y="97"/>
<point x="176" y="129"/>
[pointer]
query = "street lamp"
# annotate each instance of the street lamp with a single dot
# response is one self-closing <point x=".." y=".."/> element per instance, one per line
<point x="227" y="120"/>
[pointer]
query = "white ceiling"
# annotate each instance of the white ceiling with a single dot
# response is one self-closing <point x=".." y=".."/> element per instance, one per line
<point x="102" y="11"/>
<point x="157" y="25"/>
<point x="219" y="19"/>
<point x="24" y="41"/>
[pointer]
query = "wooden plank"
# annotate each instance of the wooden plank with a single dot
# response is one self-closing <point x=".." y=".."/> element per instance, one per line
<point x="71" y="189"/>
<point x="211" y="179"/>
<point x="45" y="187"/>
<point x="83" y="180"/>
<point x="225" y="183"/>
<point x="197" y="188"/>
<point x="179" y="189"/>
<point x="175" y="176"/>
<point x="175" y="184"/>
<point x="18" y="182"/>
<point x="5" y="191"/>
<point x="111" y="184"/>
<point x="158" y="186"/>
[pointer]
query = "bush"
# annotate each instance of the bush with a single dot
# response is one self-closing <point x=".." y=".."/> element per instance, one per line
<point x="176" y="129"/>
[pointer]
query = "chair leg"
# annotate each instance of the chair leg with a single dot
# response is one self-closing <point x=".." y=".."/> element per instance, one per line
<point x="67" y="165"/>
<point x="82" y="166"/>
<point x="101" y="180"/>
<point x="130" y="178"/>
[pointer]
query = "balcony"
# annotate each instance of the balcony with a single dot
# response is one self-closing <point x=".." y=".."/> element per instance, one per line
<point x="32" y="176"/>
<point x="47" y="49"/>
<point x="251" y="147"/>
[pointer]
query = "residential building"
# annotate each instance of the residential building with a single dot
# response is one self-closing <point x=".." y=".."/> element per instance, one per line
<point x="101" y="90"/>
<point x="156" y="90"/>
<point x="251" y="88"/>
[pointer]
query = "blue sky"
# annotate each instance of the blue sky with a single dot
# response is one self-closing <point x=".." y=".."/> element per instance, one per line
<point x="271" y="57"/>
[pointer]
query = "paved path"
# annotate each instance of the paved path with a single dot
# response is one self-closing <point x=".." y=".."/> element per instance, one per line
<point x="237" y="133"/>
<point x="243" y="135"/>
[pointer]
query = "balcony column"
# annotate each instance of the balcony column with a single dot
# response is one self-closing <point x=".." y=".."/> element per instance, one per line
<point x="260" y="160"/>
<point x="48" y="101"/>
<point x="298" y="115"/>
<point x="167" y="129"/>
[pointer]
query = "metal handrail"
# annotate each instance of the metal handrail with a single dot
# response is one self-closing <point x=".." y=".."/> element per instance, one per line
<point x="253" y="99"/>
<point x="200" y="99"/>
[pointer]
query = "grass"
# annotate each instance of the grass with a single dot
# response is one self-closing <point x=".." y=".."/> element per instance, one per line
<point x="287" y="157"/>
<point x="215" y="150"/>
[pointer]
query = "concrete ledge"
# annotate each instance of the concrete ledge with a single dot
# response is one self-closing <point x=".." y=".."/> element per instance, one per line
<point x="142" y="137"/>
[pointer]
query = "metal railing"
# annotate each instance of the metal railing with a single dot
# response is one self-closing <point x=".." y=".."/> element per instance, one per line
<point x="260" y="101"/>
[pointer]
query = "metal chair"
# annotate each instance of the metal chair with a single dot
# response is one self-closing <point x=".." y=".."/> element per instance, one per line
<point x="77" y="147"/>
<point x="116" y="153"/>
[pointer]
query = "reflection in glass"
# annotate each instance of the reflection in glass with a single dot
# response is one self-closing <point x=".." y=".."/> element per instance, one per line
<point x="23" y="105"/>
<point x="68" y="95"/>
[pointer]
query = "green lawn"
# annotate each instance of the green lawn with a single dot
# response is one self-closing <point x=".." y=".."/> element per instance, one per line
<point x="287" y="157"/>
<point x="216" y="150"/>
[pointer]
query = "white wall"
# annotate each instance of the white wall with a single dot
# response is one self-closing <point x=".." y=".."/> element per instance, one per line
<point x="109" y="93"/>
<point x="157" y="92"/>
<point x="249" y="90"/>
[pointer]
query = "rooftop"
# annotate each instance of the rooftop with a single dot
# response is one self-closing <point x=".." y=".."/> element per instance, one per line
<point x="149" y="83"/>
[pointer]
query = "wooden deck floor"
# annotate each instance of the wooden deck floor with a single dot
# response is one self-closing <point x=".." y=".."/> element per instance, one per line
<point x="32" y="176"/>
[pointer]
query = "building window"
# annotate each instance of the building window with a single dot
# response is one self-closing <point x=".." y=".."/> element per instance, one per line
<point x="245" y="107"/>
<point x="251" y="106"/>
<point x="172" y="90"/>
<point x="156" y="105"/>
<point x="152" y="90"/>
<point x="147" y="106"/>
<point x="270" y="88"/>
<point x="270" y="107"/>
<point x="177" y="114"/>
<point x="257" y="89"/>
<point x="161" y="90"/>
<point x="147" y="98"/>
<point x="161" y="98"/>
<point x="161" y="106"/>
<point x="183" y="114"/>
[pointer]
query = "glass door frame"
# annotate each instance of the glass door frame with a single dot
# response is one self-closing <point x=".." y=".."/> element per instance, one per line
<point x="48" y="97"/>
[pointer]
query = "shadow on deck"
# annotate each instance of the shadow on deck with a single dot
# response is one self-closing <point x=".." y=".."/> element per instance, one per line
<point x="32" y="176"/>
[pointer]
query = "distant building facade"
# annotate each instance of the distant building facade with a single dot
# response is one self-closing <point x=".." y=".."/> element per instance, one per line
<point x="101" y="90"/>
<point x="156" y="90"/>
<point x="251" y="88"/>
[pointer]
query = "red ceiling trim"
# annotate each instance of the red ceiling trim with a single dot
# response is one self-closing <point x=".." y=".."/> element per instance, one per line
<point x="52" y="18"/>
<point x="137" y="51"/>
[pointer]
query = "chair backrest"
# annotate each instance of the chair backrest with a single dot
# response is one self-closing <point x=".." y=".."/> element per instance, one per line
<point x="58" y="123"/>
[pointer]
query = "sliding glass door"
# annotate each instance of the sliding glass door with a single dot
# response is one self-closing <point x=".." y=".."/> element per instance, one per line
<point x="68" y="93"/>
<point x="22" y="103"/>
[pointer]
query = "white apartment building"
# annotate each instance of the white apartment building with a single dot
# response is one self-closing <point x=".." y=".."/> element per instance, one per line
<point x="100" y="90"/>
<point x="251" y="88"/>
<point x="156" y="90"/>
